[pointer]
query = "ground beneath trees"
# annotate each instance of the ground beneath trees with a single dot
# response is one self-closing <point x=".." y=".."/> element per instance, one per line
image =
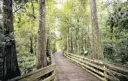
<point x="67" y="71"/>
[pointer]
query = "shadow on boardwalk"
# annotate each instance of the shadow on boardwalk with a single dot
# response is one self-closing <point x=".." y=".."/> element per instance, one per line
<point x="67" y="71"/>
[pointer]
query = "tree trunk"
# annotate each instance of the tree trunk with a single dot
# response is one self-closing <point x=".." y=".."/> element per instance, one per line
<point x="75" y="43"/>
<point x="71" y="41"/>
<point x="32" y="36"/>
<point x="95" y="31"/>
<point x="88" y="39"/>
<point x="41" y="42"/>
<point x="78" y="48"/>
<point x="48" y="53"/>
<point x="31" y="45"/>
<point x="82" y="45"/>
<point x="68" y="42"/>
<point x="10" y="63"/>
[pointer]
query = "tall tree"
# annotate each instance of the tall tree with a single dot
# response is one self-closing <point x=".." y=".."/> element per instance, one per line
<point x="41" y="42"/>
<point x="8" y="57"/>
<point x="96" y="48"/>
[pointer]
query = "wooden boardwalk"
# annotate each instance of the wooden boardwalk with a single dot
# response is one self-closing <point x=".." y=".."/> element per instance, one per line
<point x="68" y="71"/>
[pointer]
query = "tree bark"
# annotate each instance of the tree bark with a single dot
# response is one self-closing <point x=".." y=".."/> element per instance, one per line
<point x="71" y="41"/>
<point x="48" y="52"/>
<point x="10" y="62"/>
<point x="68" y="42"/>
<point x="31" y="44"/>
<point x="95" y="31"/>
<point x="41" y="41"/>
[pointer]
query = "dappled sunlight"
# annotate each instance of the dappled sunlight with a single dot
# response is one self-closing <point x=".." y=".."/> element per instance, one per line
<point x="59" y="3"/>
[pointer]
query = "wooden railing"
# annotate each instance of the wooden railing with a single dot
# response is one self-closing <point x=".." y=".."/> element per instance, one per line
<point x="44" y="74"/>
<point x="103" y="71"/>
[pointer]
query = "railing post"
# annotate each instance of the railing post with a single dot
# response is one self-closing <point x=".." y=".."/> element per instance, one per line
<point x="55" y="76"/>
<point x="105" y="73"/>
<point x="65" y="54"/>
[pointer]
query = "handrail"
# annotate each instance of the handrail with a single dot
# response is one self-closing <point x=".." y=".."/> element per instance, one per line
<point x="36" y="75"/>
<point x="102" y="70"/>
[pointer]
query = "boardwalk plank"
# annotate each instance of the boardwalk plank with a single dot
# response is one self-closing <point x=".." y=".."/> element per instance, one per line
<point x="68" y="71"/>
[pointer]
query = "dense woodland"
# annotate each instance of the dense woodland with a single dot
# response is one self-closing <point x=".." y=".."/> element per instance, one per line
<point x="41" y="27"/>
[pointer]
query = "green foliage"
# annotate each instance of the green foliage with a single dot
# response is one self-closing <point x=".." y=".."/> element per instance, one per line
<point x="25" y="23"/>
<point x="121" y="53"/>
<point x="25" y="26"/>
<point x="73" y="25"/>
<point x="119" y="17"/>
<point x="118" y="23"/>
<point x="27" y="62"/>
<point x="22" y="1"/>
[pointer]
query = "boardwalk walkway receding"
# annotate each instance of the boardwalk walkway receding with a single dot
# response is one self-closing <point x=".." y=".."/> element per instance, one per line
<point x="67" y="71"/>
